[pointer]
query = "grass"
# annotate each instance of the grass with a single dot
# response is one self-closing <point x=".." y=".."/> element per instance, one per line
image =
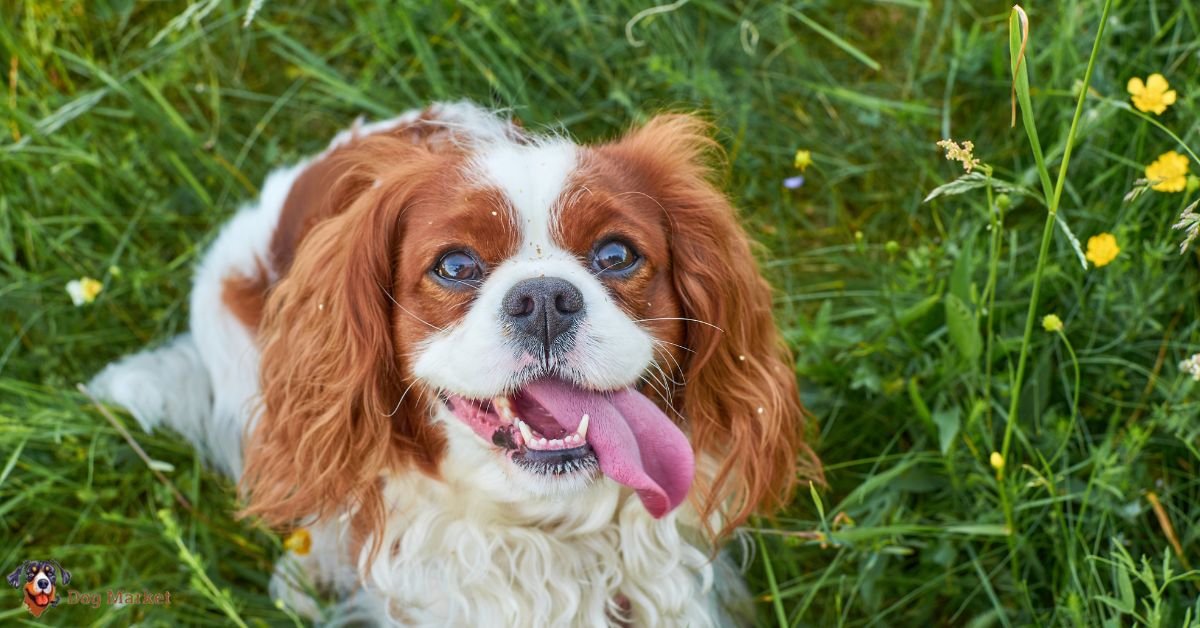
<point x="131" y="131"/>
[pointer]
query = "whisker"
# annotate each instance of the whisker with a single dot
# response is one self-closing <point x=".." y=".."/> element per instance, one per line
<point x="694" y="320"/>
<point x="637" y="193"/>
<point x="662" y="396"/>
<point x="402" y="396"/>
<point x="474" y="283"/>
<point x="678" y="368"/>
<point x="670" y="377"/>
<point x="673" y="345"/>
<point x="664" y="379"/>
<point x="407" y="311"/>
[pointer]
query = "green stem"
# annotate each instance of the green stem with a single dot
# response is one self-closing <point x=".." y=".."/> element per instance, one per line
<point x="1075" y="362"/>
<point x="995" y="216"/>
<point x="1127" y="109"/>
<point x="1047" y="235"/>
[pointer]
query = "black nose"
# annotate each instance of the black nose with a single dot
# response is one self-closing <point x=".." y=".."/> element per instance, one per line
<point x="542" y="309"/>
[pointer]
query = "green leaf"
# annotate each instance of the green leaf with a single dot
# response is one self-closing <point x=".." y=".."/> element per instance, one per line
<point x="979" y="529"/>
<point x="817" y="500"/>
<point x="948" y="423"/>
<point x="917" y="310"/>
<point x="1019" y="64"/>
<point x="976" y="180"/>
<point x="882" y="480"/>
<point x="1075" y="246"/>
<point x="1114" y="603"/>
<point x="964" y="331"/>
<point x="1128" y="599"/>
<point x="918" y="402"/>
<point x="965" y="183"/>
<point x="833" y="38"/>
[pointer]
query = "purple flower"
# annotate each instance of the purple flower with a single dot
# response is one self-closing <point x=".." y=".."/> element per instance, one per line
<point x="793" y="183"/>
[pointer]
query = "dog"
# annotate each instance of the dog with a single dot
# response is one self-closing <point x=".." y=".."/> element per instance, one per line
<point x="500" y="377"/>
<point x="40" y="592"/>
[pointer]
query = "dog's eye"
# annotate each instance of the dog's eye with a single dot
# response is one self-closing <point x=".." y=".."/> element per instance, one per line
<point x="614" y="256"/>
<point x="456" y="266"/>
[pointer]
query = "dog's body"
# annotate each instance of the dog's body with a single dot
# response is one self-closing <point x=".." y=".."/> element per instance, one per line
<point x="455" y="535"/>
<point x="40" y="591"/>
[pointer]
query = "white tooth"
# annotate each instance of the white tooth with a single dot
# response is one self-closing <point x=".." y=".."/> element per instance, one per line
<point x="525" y="433"/>
<point x="556" y="444"/>
<point x="582" y="429"/>
<point x="543" y="443"/>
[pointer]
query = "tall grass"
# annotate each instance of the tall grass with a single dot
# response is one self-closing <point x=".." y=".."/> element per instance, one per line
<point x="132" y="130"/>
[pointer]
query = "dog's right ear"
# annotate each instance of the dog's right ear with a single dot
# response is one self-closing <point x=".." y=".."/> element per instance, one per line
<point x="14" y="578"/>
<point x="63" y="574"/>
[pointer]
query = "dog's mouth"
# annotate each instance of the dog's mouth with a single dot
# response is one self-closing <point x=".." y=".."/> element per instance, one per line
<point x="40" y="599"/>
<point x="556" y="429"/>
<point x="545" y="450"/>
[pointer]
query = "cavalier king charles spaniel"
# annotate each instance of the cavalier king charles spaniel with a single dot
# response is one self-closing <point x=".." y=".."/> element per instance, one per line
<point x="501" y="378"/>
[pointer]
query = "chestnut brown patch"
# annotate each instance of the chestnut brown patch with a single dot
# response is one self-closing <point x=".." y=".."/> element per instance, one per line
<point x="245" y="296"/>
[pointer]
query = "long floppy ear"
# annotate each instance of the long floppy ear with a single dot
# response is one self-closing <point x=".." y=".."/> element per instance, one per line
<point x="14" y="578"/>
<point x="331" y="417"/>
<point x="740" y="395"/>
<point x="65" y="575"/>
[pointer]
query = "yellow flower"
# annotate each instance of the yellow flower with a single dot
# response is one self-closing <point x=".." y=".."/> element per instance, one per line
<point x="83" y="290"/>
<point x="1168" y="173"/>
<point x="962" y="154"/>
<point x="1052" y="323"/>
<point x="299" y="542"/>
<point x="997" y="461"/>
<point x="1102" y="249"/>
<point x="1153" y="95"/>
<point x="803" y="160"/>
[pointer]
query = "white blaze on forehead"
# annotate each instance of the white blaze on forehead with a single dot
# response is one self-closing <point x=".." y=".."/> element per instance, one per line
<point x="532" y="177"/>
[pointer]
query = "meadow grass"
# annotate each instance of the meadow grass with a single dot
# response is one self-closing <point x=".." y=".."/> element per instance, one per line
<point x="132" y="130"/>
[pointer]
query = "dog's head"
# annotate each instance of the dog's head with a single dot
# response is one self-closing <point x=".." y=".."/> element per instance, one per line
<point x="40" y="578"/>
<point x="550" y="312"/>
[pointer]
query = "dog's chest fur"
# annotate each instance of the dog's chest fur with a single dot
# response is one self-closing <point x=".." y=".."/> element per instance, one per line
<point x="493" y="570"/>
<point x="464" y="551"/>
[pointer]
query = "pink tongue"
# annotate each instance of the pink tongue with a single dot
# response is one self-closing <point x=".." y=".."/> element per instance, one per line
<point x="636" y="444"/>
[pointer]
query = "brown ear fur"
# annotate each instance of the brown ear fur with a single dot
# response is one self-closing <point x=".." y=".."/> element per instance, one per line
<point x="740" y="395"/>
<point x="331" y="417"/>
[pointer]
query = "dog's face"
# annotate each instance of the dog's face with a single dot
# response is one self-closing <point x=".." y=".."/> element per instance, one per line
<point x="543" y="296"/>
<point x="40" y="582"/>
<point x="571" y="311"/>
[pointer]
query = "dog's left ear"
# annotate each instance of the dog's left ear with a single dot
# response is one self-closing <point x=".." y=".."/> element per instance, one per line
<point x="66" y="575"/>
<point x="740" y="396"/>
<point x="14" y="578"/>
